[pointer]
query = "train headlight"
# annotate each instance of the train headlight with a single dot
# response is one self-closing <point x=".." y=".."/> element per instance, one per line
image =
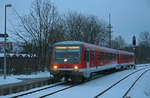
<point x="55" y="67"/>
<point x="65" y="60"/>
<point x="76" y="68"/>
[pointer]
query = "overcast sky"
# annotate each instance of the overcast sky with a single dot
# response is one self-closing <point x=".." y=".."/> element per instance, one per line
<point x="129" y="17"/>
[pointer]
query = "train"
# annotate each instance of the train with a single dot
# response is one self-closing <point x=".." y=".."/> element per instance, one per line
<point x="78" y="60"/>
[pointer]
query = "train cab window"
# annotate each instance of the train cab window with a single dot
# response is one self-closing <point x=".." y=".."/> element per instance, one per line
<point x="86" y="55"/>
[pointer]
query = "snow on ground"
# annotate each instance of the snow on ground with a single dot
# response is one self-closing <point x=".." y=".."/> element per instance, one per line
<point x="142" y="87"/>
<point x="122" y="87"/>
<point x="94" y="87"/>
<point x="142" y="65"/>
<point x="14" y="78"/>
<point x="8" y="96"/>
<point x="8" y="80"/>
<point x="86" y="90"/>
<point x="35" y="75"/>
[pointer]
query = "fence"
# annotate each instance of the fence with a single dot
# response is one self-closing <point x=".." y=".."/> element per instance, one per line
<point x="142" y="55"/>
<point x="20" y="64"/>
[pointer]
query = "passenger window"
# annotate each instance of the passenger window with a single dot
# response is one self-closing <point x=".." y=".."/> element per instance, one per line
<point x="98" y="56"/>
<point x="92" y="55"/>
<point x="86" y="56"/>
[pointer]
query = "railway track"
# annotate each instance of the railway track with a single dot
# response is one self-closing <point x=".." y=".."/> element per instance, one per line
<point x="116" y="83"/>
<point x="93" y="78"/>
<point x="126" y="93"/>
<point x="54" y="91"/>
<point x="57" y="84"/>
<point x="46" y="88"/>
<point x="58" y="91"/>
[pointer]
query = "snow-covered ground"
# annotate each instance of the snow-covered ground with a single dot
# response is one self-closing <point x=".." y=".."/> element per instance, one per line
<point x="8" y="80"/>
<point x="142" y="87"/>
<point x="94" y="87"/>
<point x="14" y="78"/>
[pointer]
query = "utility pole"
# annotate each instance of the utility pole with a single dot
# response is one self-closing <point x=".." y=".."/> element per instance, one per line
<point x="5" y="38"/>
<point x="134" y="49"/>
<point x="109" y="30"/>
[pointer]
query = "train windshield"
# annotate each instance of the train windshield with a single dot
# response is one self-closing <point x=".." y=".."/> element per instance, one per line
<point x="71" y="53"/>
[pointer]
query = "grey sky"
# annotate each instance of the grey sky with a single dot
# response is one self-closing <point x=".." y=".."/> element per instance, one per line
<point x="129" y="17"/>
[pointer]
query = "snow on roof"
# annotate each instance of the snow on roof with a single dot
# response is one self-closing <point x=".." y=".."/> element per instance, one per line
<point x="13" y="54"/>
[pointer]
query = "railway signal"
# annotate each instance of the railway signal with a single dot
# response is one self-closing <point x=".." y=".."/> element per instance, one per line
<point x="134" y="41"/>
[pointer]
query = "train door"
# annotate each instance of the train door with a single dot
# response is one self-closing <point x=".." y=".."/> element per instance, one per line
<point x="118" y="58"/>
<point x="96" y="59"/>
<point x="101" y="58"/>
<point x="87" y="59"/>
<point x="91" y="58"/>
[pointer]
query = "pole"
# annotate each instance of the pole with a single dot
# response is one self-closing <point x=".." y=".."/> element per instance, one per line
<point x="109" y="27"/>
<point x="5" y="68"/>
<point x="5" y="36"/>
<point x="134" y="49"/>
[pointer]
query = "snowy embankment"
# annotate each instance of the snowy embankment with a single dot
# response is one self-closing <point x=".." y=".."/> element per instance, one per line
<point x="8" y="80"/>
<point x="15" y="78"/>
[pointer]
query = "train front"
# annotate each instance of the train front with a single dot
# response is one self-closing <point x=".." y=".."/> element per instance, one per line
<point x="66" y="61"/>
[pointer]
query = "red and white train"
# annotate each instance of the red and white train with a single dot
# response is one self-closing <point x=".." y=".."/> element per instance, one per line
<point x="78" y="60"/>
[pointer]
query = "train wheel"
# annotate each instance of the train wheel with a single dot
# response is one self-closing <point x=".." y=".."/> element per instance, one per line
<point x="78" y="79"/>
<point x="87" y="79"/>
<point x="57" y="77"/>
<point x="133" y="66"/>
<point x="66" y="79"/>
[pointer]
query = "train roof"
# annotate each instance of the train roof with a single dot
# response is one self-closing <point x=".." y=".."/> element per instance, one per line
<point x="93" y="47"/>
<point x="68" y="42"/>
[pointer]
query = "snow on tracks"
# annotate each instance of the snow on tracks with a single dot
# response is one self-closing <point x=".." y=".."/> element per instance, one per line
<point x="111" y="89"/>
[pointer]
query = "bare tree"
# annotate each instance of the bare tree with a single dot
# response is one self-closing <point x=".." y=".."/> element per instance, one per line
<point x="94" y="31"/>
<point x="118" y="43"/>
<point x="143" y="48"/>
<point x="41" y="28"/>
<point x="74" y="23"/>
<point x="84" y="28"/>
<point x="144" y="38"/>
